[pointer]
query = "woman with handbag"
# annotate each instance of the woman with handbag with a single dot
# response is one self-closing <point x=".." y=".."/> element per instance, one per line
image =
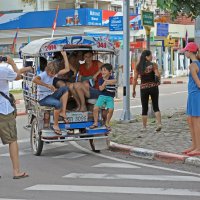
<point x="150" y="80"/>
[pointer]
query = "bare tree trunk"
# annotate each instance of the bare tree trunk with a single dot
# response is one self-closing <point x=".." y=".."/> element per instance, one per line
<point x="197" y="30"/>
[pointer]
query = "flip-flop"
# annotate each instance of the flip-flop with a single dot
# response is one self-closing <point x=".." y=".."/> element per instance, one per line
<point x="63" y="119"/>
<point x="57" y="131"/>
<point x="93" y="126"/>
<point x="193" y="154"/>
<point x="108" y="128"/>
<point x="24" y="175"/>
<point x="186" y="152"/>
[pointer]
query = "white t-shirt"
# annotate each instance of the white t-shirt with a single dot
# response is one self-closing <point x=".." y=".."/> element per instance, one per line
<point x="6" y="75"/>
<point x="42" y="91"/>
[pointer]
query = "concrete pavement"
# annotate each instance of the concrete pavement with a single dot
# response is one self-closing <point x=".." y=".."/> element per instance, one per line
<point x="165" y="145"/>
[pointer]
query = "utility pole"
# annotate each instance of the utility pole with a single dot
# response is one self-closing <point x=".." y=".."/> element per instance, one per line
<point x="197" y="30"/>
<point x="126" y="115"/>
<point x="77" y="4"/>
<point x="38" y="5"/>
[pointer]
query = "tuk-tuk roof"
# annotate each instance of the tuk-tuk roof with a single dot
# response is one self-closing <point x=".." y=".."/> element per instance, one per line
<point x="48" y="45"/>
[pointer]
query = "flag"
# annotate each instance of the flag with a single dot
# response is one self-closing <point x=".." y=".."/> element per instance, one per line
<point x="55" y="20"/>
<point x="186" y="37"/>
<point x="14" y="42"/>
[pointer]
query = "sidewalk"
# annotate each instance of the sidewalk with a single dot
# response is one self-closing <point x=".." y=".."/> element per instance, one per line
<point x="165" y="145"/>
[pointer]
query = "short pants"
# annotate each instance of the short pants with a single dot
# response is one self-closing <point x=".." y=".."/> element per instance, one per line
<point x="8" y="129"/>
<point x="105" y="101"/>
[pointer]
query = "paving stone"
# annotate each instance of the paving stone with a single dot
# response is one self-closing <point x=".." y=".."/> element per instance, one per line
<point x="173" y="138"/>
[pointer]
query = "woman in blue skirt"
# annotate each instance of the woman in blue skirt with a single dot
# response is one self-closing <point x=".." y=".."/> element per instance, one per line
<point x="193" y="102"/>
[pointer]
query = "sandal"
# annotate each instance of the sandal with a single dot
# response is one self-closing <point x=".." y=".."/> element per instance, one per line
<point x="24" y="175"/>
<point x="57" y="131"/>
<point x="63" y="119"/>
<point x="108" y="128"/>
<point x="93" y="126"/>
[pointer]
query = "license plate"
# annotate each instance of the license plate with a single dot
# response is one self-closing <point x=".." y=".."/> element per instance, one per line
<point x="77" y="116"/>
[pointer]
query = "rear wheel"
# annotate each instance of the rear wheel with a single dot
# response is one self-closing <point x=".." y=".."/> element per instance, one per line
<point x="93" y="146"/>
<point x="36" y="142"/>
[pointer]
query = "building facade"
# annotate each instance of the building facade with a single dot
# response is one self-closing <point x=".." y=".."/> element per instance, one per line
<point x="34" y="20"/>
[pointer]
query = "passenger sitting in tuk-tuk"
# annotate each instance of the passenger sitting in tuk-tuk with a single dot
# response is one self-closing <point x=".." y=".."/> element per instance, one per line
<point x="48" y="95"/>
<point x="89" y="73"/>
<point x="67" y="78"/>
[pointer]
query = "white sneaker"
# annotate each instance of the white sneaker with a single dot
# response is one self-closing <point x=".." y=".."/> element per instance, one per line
<point x="159" y="127"/>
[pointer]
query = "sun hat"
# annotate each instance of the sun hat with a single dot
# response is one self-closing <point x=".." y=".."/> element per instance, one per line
<point x="192" y="47"/>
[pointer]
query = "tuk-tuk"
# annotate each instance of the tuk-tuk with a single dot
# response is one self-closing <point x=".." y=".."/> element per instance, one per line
<point x="77" y="128"/>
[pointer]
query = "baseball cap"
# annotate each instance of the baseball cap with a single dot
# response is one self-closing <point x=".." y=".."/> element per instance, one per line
<point x="192" y="47"/>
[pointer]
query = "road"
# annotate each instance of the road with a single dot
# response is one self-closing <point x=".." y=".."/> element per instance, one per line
<point x="72" y="171"/>
<point x="172" y="96"/>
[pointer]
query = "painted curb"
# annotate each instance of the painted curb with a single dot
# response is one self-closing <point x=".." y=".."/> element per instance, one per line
<point x="166" y="82"/>
<point x="143" y="153"/>
<point x="169" y="157"/>
<point x="154" y="155"/>
<point x="192" y="161"/>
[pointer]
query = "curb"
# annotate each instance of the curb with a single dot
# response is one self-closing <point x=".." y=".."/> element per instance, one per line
<point x="172" y="82"/>
<point x="155" y="155"/>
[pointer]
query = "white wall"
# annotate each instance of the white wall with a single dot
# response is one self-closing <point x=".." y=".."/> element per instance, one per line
<point x="15" y="5"/>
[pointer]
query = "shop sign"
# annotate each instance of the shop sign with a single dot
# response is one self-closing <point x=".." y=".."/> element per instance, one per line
<point x="137" y="45"/>
<point x="156" y="43"/>
<point x="147" y="18"/>
<point x="94" y="17"/>
<point x="169" y="42"/>
<point x="162" y="29"/>
<point x="116" y="23"/>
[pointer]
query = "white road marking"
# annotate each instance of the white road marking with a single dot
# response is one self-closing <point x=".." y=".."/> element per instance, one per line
<point x="133" y="177"/>
<point x="46" y="147"/>
<point x="115" y="190"/>
<point x="130" y="162"/>
<point x="71" y="155"/>
<point x="139" y="106"/>
<point x="10" y="199"/>
<point x="116" y="165"/>
<point x="19" y="142"/>
<point x="21" y="153"/>
<point x="185" y="91"/>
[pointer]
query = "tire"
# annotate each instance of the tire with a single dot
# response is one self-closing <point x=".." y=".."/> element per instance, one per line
<point x="35" y="139"/>
<point x="92" y="145"/>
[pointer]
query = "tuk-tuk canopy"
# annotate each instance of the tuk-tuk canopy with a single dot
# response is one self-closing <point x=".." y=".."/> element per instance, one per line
<point x="49" y="45"/>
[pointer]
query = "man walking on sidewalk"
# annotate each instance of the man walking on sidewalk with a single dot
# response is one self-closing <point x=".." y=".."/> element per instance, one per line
<point x="8" y="129"/>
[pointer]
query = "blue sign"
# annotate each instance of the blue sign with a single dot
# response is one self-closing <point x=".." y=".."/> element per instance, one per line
<point x="116" y="23"/>
<point x="162" y="29"/>
<point x="94" y="17"/>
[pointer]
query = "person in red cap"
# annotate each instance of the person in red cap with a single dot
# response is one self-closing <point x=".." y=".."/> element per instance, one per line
<point x="193" y="101"/>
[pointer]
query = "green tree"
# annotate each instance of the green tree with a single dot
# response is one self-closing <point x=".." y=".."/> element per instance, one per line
<point x="190" y="8"/>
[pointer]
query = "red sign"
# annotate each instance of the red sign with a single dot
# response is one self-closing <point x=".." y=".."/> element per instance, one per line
<point x="137" y="45"/>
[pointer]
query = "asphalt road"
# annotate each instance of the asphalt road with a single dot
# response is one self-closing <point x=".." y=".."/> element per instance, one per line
<point x="72" y="171"/>
<point x="172" y="96"/>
